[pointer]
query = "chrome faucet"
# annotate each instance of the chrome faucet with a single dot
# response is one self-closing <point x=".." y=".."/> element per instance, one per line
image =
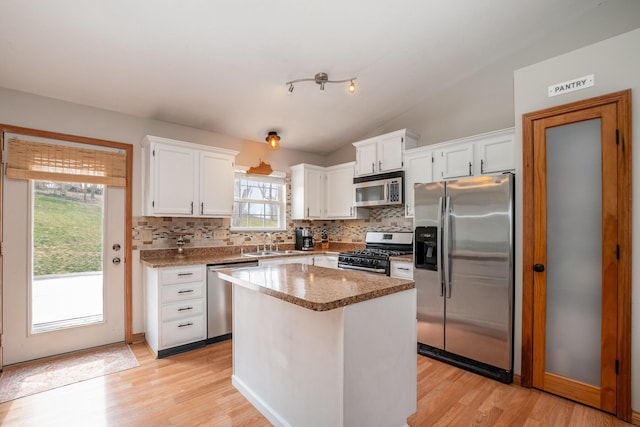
<point x="268" y="236"/>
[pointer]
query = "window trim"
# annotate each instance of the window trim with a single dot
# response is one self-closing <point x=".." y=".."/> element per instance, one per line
<point x="275" y="176"/>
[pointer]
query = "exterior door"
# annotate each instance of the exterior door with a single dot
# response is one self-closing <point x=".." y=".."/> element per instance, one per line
<point x="33" y="326"/>
<point x="577" y="214"/>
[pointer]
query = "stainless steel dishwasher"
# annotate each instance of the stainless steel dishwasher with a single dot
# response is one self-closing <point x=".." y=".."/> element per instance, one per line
<point x="219" y="302"/>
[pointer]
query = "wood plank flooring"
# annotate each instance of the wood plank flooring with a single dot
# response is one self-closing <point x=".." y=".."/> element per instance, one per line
<point x="194" y="389"/>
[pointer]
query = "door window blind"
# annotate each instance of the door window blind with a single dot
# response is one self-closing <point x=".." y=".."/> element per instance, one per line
<point x="48" y="161"/>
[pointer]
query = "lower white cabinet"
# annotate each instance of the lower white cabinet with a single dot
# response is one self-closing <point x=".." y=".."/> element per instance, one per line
<point x="402" y="269"/>
<point x="176" y="308"/>
<point x="329" y="261"/>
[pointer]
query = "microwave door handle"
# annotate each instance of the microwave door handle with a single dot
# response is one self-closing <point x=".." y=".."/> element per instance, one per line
<point x="386" y="193"/>
<point x="439" y="247"/>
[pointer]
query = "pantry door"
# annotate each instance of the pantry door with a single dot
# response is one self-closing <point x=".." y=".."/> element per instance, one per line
<point x="576" y="271"/>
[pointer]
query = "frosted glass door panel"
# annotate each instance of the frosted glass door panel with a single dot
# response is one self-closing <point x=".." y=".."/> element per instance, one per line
<point x="574" y="251"/>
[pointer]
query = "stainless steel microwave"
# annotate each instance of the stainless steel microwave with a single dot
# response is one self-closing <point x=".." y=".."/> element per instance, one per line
<point x="379" y="190"/>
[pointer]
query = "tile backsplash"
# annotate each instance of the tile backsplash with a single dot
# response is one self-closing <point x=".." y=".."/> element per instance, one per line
<point x="162" y="232"/>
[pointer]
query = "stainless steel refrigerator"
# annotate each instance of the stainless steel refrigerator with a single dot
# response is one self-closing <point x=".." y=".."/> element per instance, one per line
<point x="464" y="273"/>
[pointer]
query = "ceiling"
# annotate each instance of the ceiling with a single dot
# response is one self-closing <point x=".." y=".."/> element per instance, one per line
<point x="222" y="65"/>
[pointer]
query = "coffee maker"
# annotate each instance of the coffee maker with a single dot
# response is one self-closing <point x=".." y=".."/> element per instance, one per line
<point x="304" y="239"/>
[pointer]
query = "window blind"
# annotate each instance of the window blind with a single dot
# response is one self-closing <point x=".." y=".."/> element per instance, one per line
<point x="54" y="162"/>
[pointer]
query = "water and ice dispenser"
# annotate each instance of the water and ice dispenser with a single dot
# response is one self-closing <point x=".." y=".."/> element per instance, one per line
<point x="426" y="249"/>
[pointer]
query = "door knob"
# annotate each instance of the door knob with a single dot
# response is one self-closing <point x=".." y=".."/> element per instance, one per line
<point x="538" y="268"/>
<point x="116" y="247"/>
<point x="116" y="260"/>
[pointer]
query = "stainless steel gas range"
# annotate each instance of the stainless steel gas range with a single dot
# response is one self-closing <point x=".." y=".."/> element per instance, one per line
<point x="379" y="247"/>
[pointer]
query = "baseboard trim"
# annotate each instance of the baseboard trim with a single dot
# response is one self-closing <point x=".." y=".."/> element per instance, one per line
<point x="265" y="409"/>
<point x="635" y="418"/>
<point x="517" y="379"/>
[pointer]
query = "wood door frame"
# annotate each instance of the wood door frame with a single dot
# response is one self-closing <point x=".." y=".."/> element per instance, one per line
<point x="622" y="101"/>
<point x="128" y="148"/>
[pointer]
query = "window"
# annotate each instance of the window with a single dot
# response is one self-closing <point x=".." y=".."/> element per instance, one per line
<point x="258" y="202"/>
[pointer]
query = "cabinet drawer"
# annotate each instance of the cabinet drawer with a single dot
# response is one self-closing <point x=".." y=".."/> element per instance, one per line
<point x="402" y="270"/>
<point x="181" y="274"/>
<point x="183" y="331"/>
<point x="183" y="309"/>
<point x="182" y="291"/>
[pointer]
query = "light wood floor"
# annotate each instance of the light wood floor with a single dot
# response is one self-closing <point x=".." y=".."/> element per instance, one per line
<point x="194" y="389"/>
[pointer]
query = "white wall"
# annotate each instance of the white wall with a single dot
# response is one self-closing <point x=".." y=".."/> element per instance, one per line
<point x="616" y="65"/>
<point x="31" y="111"/>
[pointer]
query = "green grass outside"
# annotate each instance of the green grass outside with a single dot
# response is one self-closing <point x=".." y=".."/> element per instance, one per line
<point x="67" y="236"/>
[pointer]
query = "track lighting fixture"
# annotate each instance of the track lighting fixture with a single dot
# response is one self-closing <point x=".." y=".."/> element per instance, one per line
<point x="322" y="79"/>
<point x="273" y="140"/>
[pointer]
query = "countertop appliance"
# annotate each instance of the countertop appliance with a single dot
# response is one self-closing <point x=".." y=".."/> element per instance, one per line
<point x="464" y="273"/>
<point x="304" y="239"/>
<point x="386" y="189"/>
<point x="219" y="302"/>
<point x="379" y="247"/>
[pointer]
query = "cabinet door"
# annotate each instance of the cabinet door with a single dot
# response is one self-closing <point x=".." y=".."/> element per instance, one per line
<point x="174" y="180"/>
<point x="314" y="193"/>
<point x="495" y="154"/>
<point x="216" y="184"/>
<point x="390" y="153"/>
<point x="339" y="191"/>
<point x="456" y="161"/>
<point x="367" y="158"/>
<point x="418" y="169"/>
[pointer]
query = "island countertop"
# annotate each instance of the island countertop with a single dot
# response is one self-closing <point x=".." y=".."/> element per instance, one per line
<point x="315" y="288"/>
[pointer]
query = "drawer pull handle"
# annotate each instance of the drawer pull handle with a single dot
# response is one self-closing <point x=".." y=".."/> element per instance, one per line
<point x="185" y="308"/>
<point x="185" y="291"/>
<point x="403" y="268"/>
<point x="185" y="274"/>
<point x="182" y="325"/>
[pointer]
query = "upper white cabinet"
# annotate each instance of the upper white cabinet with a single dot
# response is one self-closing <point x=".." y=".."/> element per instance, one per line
<point x="307" y="191"/>
<point x="494" y="153"/>
<point x="455" y="161"/>
<point x="184" y="179"/>
<point x="383" y="153"/>
<point x="418" y="163"/>
<point x="323" y="193"/>
<point x="483" y="154"/>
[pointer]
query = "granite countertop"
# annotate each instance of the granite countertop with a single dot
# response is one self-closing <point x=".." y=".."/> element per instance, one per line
<point x="316" y="288"/>
<point x="225" y="254"/>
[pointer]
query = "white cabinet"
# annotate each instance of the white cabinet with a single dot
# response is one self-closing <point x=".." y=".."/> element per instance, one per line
<point x="326" y="260"/>
<point x="455" y="161"/>
<point x="483" y="154"/>
<point x="183" y="179"/>
<point x="323" y="193"/>
<point x="401" y="269"/>
<point x="307" y="191"/>
<point x="176" y="315"/>
<point x="494" y="153"/>
<point x="418" y="164"/>
<point x="286" y="260"/>
<point x="383" y="153"/>
<point x="340" y="194"/>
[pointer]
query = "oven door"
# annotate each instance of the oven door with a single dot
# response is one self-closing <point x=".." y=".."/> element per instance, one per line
<point x="344" y="266"/>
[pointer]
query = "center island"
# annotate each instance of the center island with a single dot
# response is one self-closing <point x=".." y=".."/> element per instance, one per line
<point x="315" y="346"/>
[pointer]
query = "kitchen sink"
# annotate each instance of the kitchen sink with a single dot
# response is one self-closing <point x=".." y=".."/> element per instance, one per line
<point x="266" y="253"/>
<point x="258" y="253"/>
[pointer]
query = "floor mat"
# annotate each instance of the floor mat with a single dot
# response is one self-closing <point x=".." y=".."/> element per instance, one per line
<point x="42" y="375"/>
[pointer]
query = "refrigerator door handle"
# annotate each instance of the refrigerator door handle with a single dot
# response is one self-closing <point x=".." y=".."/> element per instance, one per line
<point x="439" y="248"/>
<point x="445" y="247"/>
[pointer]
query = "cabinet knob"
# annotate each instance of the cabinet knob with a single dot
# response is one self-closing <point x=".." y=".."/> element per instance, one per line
<point x="373" y="167"/>
<point x="379" y="165"/>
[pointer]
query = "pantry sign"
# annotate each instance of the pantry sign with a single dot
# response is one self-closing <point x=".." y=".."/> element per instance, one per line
<point x="572" y="85"/>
